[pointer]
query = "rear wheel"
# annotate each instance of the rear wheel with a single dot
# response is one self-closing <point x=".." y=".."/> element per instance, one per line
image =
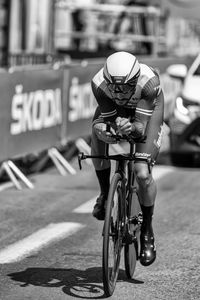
<point x="112" y="238"/>
<point x="131" y="250"/>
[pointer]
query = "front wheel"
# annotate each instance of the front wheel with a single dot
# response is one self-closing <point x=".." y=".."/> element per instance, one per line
<point x="131" y="250"/>
<point x="112" y="238"/>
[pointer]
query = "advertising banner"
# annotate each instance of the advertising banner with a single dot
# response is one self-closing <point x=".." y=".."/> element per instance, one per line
<point x="30" y="110"/>
<point x="80" y="101"/>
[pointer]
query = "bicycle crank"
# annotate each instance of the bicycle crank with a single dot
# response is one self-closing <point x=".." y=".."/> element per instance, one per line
<point x="129" y="238"/>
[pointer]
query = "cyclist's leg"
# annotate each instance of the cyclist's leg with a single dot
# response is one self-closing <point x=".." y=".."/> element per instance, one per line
<point x="147" y="194"/>
<point x="147" y="189"/>
<point x="102" y="169"/>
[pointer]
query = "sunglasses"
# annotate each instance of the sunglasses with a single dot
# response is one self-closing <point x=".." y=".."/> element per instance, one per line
<point x="122" y="88"/>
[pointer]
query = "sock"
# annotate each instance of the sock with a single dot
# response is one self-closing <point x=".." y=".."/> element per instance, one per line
<point x="104" y="180"/>
<point x="147" y="218"/>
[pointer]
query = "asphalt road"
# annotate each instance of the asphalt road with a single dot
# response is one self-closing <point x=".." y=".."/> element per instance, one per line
<point x="50" y="245"/>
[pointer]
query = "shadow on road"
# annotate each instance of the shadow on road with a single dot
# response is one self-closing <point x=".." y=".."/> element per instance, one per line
<point x="83" y="284"/>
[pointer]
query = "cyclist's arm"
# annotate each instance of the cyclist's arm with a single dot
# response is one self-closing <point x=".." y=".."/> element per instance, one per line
<point x="106" y="105"/>
<point x="151" y="95"/>
<point x="100" y="128"/>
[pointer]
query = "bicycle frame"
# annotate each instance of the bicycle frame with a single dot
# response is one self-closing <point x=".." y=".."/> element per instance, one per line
<point x="124" y="162"/>
<point x="126" y="232"/>
<point x="117" y="157"/>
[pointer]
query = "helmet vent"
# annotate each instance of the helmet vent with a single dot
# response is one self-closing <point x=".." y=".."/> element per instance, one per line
<point x="131" y="70"/>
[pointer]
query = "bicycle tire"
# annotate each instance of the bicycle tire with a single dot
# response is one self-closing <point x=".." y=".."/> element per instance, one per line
<point x="131" y="251"/>
<point x="112" y="240"/>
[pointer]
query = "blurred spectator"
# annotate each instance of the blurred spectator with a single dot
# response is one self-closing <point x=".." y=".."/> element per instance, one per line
<point x="136" y="24"/>
<point x="78" y="25"/>
<point x="84" y="21"/>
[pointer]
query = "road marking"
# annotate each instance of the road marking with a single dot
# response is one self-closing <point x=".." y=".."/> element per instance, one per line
<point x="158" y="173"/>
<point x="86" y="207"/>
<point x="161" y="171"/>
<point x="38" y="240"/>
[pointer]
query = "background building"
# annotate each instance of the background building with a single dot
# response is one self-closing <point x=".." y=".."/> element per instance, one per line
<point x="42" y="31"/>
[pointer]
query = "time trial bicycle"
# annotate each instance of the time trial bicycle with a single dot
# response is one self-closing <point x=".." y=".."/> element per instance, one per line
<point x="123" y="217"/>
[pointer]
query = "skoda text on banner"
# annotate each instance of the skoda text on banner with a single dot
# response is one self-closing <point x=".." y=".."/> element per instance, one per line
<point x="30" y="111"/>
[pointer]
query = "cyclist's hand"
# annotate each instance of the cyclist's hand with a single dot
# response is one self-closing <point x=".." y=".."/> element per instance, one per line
<point x="137" y="129"/>
<point x="124" y="126"/>
<point x="105" y="136"/>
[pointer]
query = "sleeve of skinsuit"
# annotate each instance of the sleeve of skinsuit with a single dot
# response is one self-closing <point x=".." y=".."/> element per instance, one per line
<point x="97" y="118"/>
<point x="149" y="97"/>
<point x="153" y="132"/>
<point x="150" y="111"/>
<point x="106" y="105"/>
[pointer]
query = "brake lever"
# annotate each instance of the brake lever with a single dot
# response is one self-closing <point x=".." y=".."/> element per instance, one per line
<point x="81" y="156"/>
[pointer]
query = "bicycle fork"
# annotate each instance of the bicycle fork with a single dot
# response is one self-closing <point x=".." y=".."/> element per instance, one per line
<point x="134" y="216"/>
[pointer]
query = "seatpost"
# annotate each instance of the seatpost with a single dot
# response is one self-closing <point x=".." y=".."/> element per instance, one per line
<point x="107" y="150"/>
<point x="131" y="148"/>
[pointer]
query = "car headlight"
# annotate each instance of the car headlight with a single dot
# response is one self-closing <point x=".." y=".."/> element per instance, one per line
<point x="187" y="108"/>
<point x="185" y="111"/>
<point x="181" y="106"/>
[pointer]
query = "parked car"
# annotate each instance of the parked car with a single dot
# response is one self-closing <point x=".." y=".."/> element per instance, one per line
<point x="184" y="122"/>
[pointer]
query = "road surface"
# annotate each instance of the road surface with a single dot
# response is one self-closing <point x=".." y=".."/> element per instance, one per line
<point x="50" y="245"/>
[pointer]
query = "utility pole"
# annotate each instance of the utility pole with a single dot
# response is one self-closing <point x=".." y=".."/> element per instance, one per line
<point x="4" y="32"/>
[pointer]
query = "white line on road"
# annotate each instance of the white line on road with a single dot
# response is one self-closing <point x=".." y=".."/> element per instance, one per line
<point x="86" y="207"/>
<point x="158" y="173"/>
<point x="161" y="171"/>
<point x="38" y="240"/>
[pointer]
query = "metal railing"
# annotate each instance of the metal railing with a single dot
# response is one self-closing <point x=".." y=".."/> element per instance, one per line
<point x="114" y="11"/>
<point x="101" y="36"/>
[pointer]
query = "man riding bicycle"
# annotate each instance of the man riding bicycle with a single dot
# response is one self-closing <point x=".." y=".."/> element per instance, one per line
<point x="129" y="96"/>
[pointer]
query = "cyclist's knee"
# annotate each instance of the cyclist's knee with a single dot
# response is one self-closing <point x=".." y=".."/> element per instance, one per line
<point x="143" y="176"/>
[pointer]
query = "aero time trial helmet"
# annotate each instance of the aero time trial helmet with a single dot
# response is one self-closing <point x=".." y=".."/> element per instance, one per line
<point x="121" y="72"/>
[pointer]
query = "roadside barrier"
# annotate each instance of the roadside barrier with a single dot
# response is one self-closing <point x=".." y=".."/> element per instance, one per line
<point x="13" y="172"/>
<point x="61" y="163"/>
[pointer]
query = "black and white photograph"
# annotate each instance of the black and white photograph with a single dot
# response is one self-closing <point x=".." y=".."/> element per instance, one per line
<point x="100" y="149"/>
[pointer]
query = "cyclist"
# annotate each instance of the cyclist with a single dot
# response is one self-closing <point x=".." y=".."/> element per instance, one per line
<point x="129" y="96"/>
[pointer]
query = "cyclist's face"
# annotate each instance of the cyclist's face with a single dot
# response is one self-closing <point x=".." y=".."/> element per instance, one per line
<point x="121" y="92"/>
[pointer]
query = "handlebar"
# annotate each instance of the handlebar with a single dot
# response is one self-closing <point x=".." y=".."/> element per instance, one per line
<point x="118" y="137"/>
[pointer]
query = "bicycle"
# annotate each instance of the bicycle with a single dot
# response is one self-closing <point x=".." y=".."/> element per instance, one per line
<point x="123" y="216"/>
